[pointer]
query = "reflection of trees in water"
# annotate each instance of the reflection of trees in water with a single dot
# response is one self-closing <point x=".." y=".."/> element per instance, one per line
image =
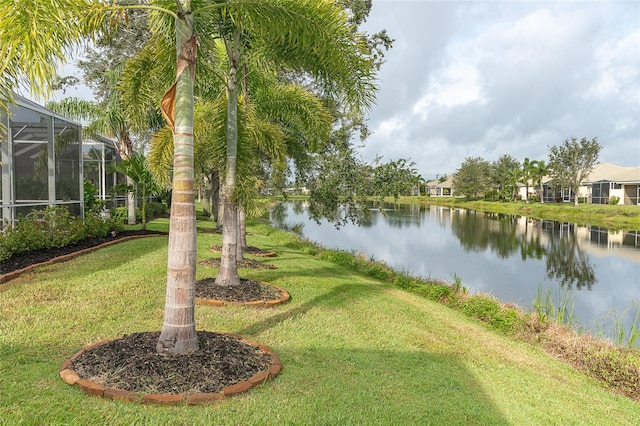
<point x="531" y="247"/>
<point x="567" y="263"/>
<point x="479" y="232"/>
<point x="402" y="215"/>
<point x="278" y="214"/>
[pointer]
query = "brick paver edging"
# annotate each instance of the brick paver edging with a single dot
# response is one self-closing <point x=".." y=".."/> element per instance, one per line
<point x="15" y="274"/>
<point x="95" y="389"/>
<point x="254" y="303"/>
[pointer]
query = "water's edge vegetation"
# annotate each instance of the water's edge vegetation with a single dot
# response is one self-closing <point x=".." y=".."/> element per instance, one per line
<point x="613" y="217"/>
<point x="548" y="324"/>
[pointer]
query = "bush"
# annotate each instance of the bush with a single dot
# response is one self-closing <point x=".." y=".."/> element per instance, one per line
<point x="489" y="310"/>
<point x="96" y="227"/>
<point x="51" y="227"/>
<point x="92" y="204"/>
<point x="120" y="214"/>
<point x="153" y="209"/>
<point x="614" y="200"/>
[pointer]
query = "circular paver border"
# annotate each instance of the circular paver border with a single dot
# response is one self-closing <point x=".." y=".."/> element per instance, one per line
<point x="262" y="303"/>
<point x="95" y="389"/>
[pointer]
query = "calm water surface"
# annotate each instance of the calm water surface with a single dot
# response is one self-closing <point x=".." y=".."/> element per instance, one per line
<point x="512" y="258"/>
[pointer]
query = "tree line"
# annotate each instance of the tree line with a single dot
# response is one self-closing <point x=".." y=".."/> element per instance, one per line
<point x="568" y="165"/>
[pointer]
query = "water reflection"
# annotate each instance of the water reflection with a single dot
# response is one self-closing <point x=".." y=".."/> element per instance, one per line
<point x="567" y="262"/>
<point x="508" y="256"/>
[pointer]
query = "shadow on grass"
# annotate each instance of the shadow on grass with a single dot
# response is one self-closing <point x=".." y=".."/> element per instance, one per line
<point x="115" y="256"/>
<point x="371" y="386"/>
<point x="374" y="385"/>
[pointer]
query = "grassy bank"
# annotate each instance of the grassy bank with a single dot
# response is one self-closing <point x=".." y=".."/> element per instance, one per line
<point x="614" y="217"/>
<point x="356" y="349"/>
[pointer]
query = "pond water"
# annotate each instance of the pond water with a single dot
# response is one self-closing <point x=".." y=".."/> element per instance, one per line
<point x="510" y="257"/>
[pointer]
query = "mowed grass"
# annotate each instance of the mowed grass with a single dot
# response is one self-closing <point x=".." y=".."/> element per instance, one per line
<point x="355" y="350"/>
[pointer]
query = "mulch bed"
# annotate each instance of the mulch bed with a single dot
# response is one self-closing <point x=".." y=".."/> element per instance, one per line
<point x="133" y="364"/>
<point x="242" y="263"/>
<point x="247" y="291"/>
<point x="250" y="250"/>
<point x="23" y="260"/>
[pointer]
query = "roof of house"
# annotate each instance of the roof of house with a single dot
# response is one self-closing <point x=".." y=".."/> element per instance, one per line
<point x="448" y="183"/>
<point x="613" y="173"/>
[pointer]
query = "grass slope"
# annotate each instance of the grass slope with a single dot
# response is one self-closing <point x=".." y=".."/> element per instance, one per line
<point x="355" y="350"/>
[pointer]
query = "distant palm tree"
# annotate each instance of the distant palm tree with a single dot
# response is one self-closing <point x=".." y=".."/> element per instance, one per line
<point x="527" y="174"/>
<point x="515" y="177"/>
<point x="136" y="168"/>
<point x="539" y="171"/>
<point x="107" y="119"/>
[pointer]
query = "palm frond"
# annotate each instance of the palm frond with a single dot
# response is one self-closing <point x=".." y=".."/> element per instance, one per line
<point x="161" y="156"/>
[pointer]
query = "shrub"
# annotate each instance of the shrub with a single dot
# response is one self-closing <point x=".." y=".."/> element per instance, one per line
<point x="614" y="200"/>
<point x="120" y="214"/>
<point x="153" y="209"/>
<point x="489" y="311"/>
<point x="91" y="203"/>
<point x="96" y="227"/>
<point x="51" y="227"/>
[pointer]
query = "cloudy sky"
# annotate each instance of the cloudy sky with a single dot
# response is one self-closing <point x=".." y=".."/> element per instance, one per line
<point x="487" y="78"/>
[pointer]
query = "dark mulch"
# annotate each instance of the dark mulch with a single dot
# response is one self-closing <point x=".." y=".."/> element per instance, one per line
<point x="34" y="257"/>
<point x="247" y="291"/>
<point x="133" y="364"/>
<point x="251" y="250"/>
<point x="242" y="263"/>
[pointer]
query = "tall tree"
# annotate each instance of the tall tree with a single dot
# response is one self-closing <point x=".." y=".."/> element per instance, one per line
<point x="571" y="162"/>
<point x="501" y="171"/>
<point x="472" y="179"/>
<point x="311" y="36"/>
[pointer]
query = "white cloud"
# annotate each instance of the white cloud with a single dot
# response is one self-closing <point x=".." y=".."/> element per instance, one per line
<point x="493" y="78"/>
<point x="458" y="84"/>
<point x="618" y="63"/>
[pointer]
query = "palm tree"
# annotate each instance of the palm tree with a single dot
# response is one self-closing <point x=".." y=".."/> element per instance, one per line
<point x="136" y="168"/>
<point x="319" y="41"/>
<point x="527" y="175"/>
<point x="311" y="36"/>
<point x="515" y="177"/>
<point x="107" y="118"/>
<point x="539" y="171"/>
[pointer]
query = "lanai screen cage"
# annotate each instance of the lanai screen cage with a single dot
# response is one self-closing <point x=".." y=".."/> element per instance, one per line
<point x="41" y="156"/>
<point x="98" y="154"/>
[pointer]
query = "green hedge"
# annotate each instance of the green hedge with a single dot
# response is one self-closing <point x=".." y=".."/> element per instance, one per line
<point x="51" y="227"/>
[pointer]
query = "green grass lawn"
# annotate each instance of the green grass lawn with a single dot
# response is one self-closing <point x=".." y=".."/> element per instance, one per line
<point x="355" y="350"/>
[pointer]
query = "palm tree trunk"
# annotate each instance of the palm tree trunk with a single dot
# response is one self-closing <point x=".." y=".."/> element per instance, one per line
<point x="228" y="273"/>
<point x="131" y="204"/>
<point x="242" y="233"/>
<point x="215" y="195"/>
<point x="178" y="329"/>
<point x="125" y="149"/>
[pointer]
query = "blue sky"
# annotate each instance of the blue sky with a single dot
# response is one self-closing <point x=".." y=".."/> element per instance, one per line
<point x="487" y="78"/>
